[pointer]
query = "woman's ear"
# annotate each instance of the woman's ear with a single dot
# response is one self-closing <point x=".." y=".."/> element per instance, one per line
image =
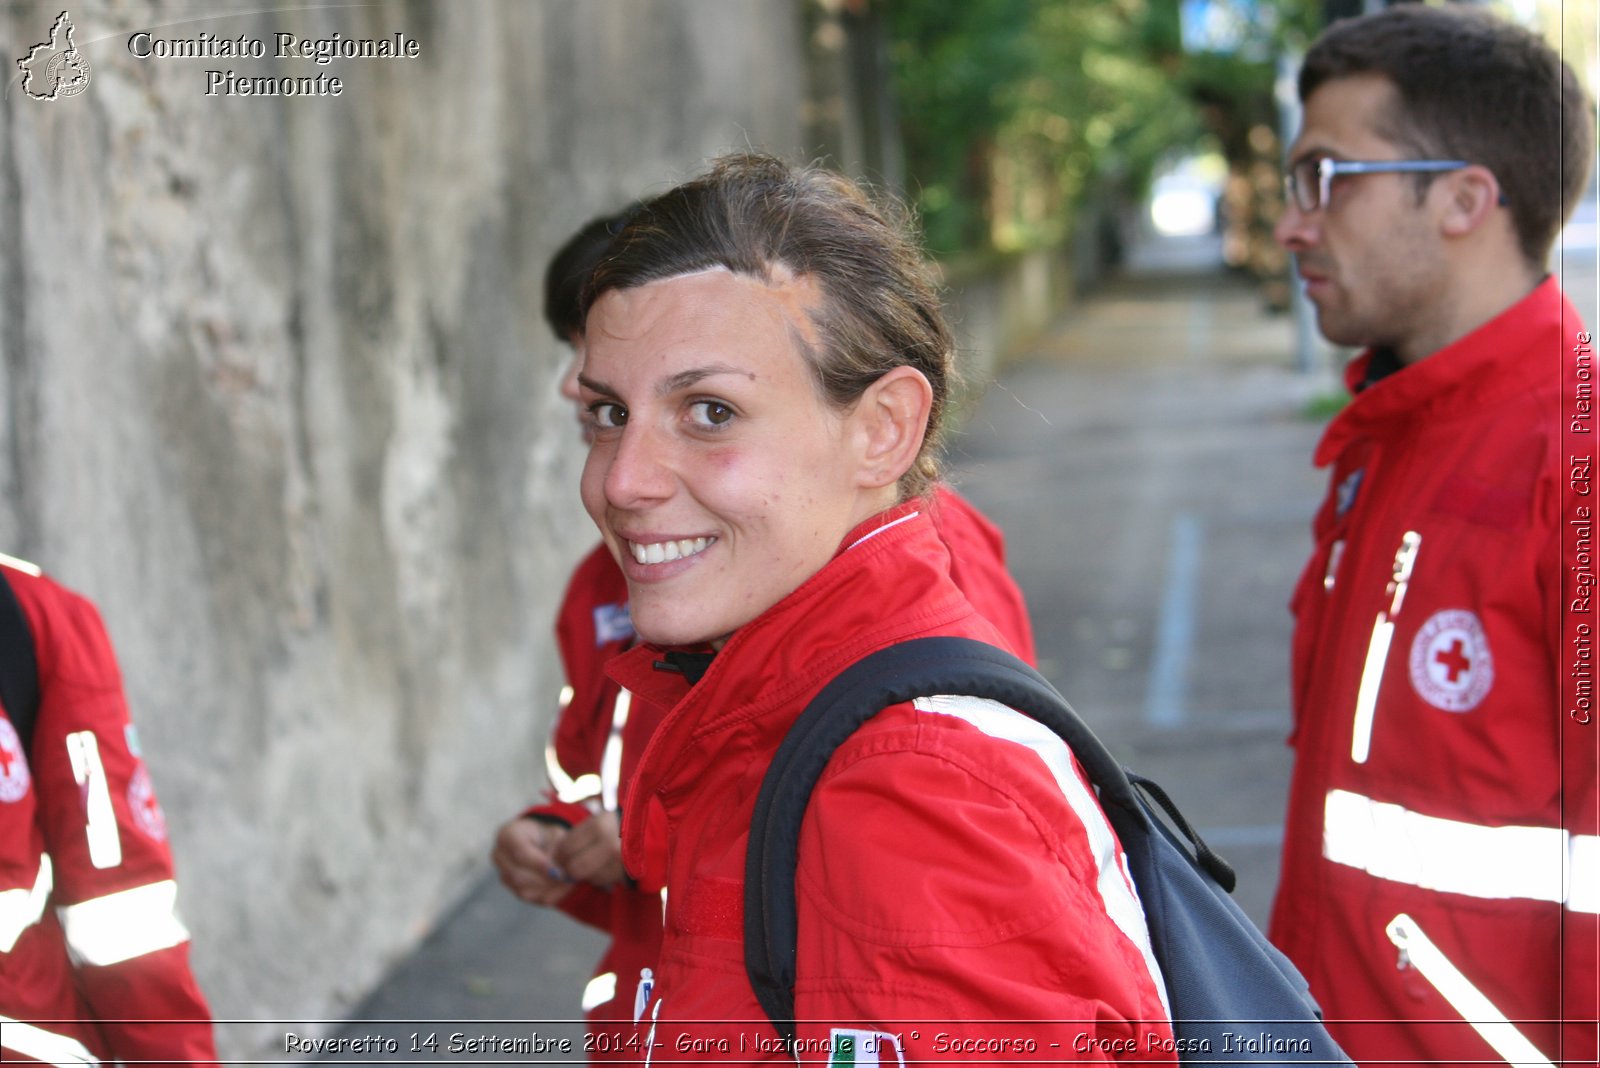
<point x="892" y="419"/>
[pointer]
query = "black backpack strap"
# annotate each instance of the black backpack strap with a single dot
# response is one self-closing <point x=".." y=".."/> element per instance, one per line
<point x="1202" y="854"/>
<point x="19" y="670"/>
<point x="922" y="667"/>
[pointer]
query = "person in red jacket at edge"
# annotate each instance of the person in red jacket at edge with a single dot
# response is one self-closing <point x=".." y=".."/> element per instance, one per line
<point x="94" y="961"/>
<point x="567" y="852"/>
<point x="1441" y="870"/>
<point x="765" y="370"/>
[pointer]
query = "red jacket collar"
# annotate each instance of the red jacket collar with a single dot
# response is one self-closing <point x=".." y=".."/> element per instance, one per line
<point x="889" y="581"/>
<point x="886" y="531"/>
<point x="668" y="692"/>
<point x="1519" y="348"/>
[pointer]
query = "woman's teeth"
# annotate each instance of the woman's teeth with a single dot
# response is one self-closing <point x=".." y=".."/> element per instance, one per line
<point x="662" y="551"/>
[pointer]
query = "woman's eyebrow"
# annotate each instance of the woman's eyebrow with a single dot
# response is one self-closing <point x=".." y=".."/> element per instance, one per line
<point x="685" y="379"/>
<point x="672" y="383"/>
<point x="595" y="386"/>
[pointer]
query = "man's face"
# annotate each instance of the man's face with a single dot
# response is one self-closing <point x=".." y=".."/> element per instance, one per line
<point x="569" y="385"/>
<point x="1371" y="257"/>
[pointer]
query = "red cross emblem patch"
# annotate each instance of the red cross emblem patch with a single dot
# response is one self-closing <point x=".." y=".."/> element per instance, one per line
<point x="14" y="777"/>
<point x="1451" y="667"/>
<point x="144" y="806"/>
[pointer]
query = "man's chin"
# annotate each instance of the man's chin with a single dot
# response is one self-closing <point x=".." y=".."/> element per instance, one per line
<point x="1339" y="332"/>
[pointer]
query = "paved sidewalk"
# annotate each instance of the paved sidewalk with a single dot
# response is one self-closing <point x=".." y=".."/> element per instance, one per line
<point x="1149" y="464"/>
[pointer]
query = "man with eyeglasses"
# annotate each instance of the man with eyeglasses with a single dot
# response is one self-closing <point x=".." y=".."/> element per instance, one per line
<point x="1441" y="869"/>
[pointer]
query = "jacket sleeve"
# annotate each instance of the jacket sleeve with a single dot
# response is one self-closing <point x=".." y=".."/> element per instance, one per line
<point x="951" y="895"/>
<point x="583" y="722"/>
<point x="115" y="891"/>
<point x="592" y="626"/>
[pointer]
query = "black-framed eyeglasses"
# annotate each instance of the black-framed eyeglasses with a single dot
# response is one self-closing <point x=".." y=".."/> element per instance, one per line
<point x="1308" y="182"/>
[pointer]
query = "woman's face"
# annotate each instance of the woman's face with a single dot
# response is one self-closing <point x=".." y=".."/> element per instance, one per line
<point x="718" y="477"/>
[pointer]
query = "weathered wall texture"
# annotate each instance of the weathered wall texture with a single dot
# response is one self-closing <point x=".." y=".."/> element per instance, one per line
<point x="275" y="391"/>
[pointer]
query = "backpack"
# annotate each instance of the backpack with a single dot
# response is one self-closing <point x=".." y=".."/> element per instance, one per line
<point x="1222" y="976"/>
<point x="19" y="673"/>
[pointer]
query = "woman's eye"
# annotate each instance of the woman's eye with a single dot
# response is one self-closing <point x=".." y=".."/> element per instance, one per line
<point x="711" y="413"/>
<point x="607" y="415"/>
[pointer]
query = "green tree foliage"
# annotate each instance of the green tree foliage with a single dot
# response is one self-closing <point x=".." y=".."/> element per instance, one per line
<point x="1014" y="110"/>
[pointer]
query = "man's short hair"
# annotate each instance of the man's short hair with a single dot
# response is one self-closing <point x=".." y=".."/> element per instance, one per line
<point x="1474" y="87"/>
<point x="569" y="269"/>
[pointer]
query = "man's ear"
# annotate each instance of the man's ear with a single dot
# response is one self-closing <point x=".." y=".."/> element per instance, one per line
<point x="1472" y="196"/>
<point x="891" y="420"/>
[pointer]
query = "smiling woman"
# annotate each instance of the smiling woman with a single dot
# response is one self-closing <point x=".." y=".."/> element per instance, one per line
<point x="719" y="475"/>
<point x="765" y="367"/>
<point x="770" y="347"/>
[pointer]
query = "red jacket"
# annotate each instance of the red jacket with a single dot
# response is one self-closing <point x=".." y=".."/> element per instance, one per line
<point x="593" y="750"/>
<point x="954" y="870"/>
<point x="85" y="871"/>
<point x="1441" y="792"/>
<point x="592" y="756"/>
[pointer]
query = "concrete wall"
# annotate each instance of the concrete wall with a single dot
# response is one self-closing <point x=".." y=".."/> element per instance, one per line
<point x="998" y="304"/>
<point x="275" y="392"/>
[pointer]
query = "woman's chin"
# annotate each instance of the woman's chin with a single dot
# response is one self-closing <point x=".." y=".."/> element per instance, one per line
<point x="672" y="633"/>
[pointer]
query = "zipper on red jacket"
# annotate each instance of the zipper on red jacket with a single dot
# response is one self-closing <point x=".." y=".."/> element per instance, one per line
<point x="650" y="1036"/>
<point x="642" y="992"/>
<point x="1405" y="559"/>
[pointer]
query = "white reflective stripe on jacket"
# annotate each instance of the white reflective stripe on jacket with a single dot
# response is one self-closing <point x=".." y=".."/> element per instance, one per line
<point x="1115" y="882"/>
<point x="1481" y="1014"/>
<point x="105" y="841"/>
<point x="42" y="1045"/>
<point x="21" y="908"/>
<point x="124" y="925"/>
<point x="611" y="759"/>
<point x="1498" y="863"/>
<point x="568" y="789"/>
<point x="599" y="990"/>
